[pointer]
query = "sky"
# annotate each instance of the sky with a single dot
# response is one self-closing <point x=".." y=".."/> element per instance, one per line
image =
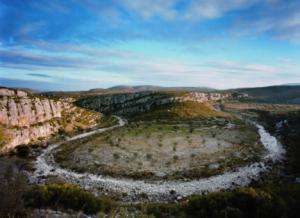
<point x="84" y="44"/>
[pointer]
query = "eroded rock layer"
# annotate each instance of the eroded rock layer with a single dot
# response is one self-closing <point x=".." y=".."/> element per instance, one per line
<point x="130" y="103"/>
<point x="25" y="118"/>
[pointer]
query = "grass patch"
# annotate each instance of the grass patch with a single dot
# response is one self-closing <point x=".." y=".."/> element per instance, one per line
<point x="182" y="111"/>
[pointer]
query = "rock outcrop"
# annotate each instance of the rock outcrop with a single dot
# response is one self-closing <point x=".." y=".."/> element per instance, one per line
<point x="130" y="103"/>
<point x="27" y="118"/>
<point x="24" y="111"/>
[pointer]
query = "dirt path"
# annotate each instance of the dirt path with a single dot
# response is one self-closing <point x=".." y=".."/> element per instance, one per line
<point x="160" y="191"/>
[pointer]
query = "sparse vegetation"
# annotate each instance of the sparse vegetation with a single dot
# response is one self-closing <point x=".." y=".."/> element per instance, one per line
<point x="5" y="137"/>
<point x="182" y="111"/>
<point x="167" y="150"/>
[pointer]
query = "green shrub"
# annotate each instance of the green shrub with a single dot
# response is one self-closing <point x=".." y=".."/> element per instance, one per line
<point x="272" y="202"/>
<point x="22" y="151"/>
<point x="116" y="156"/>
<point x="61" y="131"/>
<point x="67" y="197"/>
<point x="12" y="188"/>
<point x="149" y="156"/>
<point x="175" y="158"/>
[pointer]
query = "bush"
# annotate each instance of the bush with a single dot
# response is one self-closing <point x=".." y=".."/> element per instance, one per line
<point x="22" y="151"/>
<point x="175" y="158"/>
<point x="61" y="131"/>
<point x="245" y="202"/>
<point x="148" y="156"/>
<point x="272" y="202"/>
<point x="12" y="188"/>
<point x="67" y="197"/>
<point x="116" y="155"/>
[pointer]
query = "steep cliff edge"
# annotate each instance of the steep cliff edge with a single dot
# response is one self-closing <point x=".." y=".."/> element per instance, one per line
<point x="133" y="103"/>
<point x="26" y="118"/>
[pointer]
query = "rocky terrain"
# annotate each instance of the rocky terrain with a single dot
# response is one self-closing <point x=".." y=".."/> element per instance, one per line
<point x="25" y="118"/>
<point x="131" y="103"/>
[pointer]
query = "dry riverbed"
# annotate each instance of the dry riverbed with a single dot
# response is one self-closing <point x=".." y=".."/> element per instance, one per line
<point x="133" y="189"/>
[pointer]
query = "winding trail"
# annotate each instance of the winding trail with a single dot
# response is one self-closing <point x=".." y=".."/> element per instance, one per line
<point x="160" y="191"/>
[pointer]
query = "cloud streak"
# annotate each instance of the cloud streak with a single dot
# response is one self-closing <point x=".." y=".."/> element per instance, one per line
<point x="129" y="19"/>
<point x="164" y="42"/>
<point x="39" y="75"/>
<point x="119" y="67"/>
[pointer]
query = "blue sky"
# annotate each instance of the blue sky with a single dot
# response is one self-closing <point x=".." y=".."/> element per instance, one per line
<point x="83" y="44"/>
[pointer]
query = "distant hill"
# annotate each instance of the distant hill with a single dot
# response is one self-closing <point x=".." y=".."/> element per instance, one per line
<point x="156" y="88"/>
<point x="291" y="84"/>
<point x="31" y="91"/>
<point x="282" y="94"/>
<point x="124" y="89"/>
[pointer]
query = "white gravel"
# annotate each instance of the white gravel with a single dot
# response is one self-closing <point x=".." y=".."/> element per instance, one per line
<point x="159" y="191"/>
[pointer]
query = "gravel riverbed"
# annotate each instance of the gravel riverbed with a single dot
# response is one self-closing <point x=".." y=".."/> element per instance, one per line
<point x="159" y="190"/>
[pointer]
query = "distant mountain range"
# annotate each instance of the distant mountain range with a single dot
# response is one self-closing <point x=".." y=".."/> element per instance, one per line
<point x="141" y="88"/>
<point x="291" y="84"/>
<point x="281" y="94"/>
<point x="126" y="89"/>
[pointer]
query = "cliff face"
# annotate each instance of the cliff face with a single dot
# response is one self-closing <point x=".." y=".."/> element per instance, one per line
<point x="22" y="110"/>
<point x="25" y="118"/>
<point x="130" y="103"/>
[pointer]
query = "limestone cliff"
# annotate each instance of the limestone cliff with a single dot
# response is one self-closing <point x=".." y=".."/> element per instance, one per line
<point x="25" y="118"/>
<point x="130" y="103"/>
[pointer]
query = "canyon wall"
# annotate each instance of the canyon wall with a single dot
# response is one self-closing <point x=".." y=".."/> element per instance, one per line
<point x="25" y="118"/>
<point x="130" y="103"/>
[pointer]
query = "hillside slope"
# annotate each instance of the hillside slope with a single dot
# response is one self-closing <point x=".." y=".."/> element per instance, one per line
<point x="285" y="94"/>
<point x="182" y="111"/>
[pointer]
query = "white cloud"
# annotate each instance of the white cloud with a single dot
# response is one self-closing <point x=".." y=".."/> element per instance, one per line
<point x="211" y="9"/>
<point x="242" y="67"/>
<point x="281" y="20"/>
<point x="284" y="59"/>
<point x="151" y="8"/>
<point x="115" y="66"/>
<point x="194" y="9"/>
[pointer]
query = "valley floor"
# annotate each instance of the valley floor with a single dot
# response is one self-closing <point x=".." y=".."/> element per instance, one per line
<point x="136" y="190"/>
